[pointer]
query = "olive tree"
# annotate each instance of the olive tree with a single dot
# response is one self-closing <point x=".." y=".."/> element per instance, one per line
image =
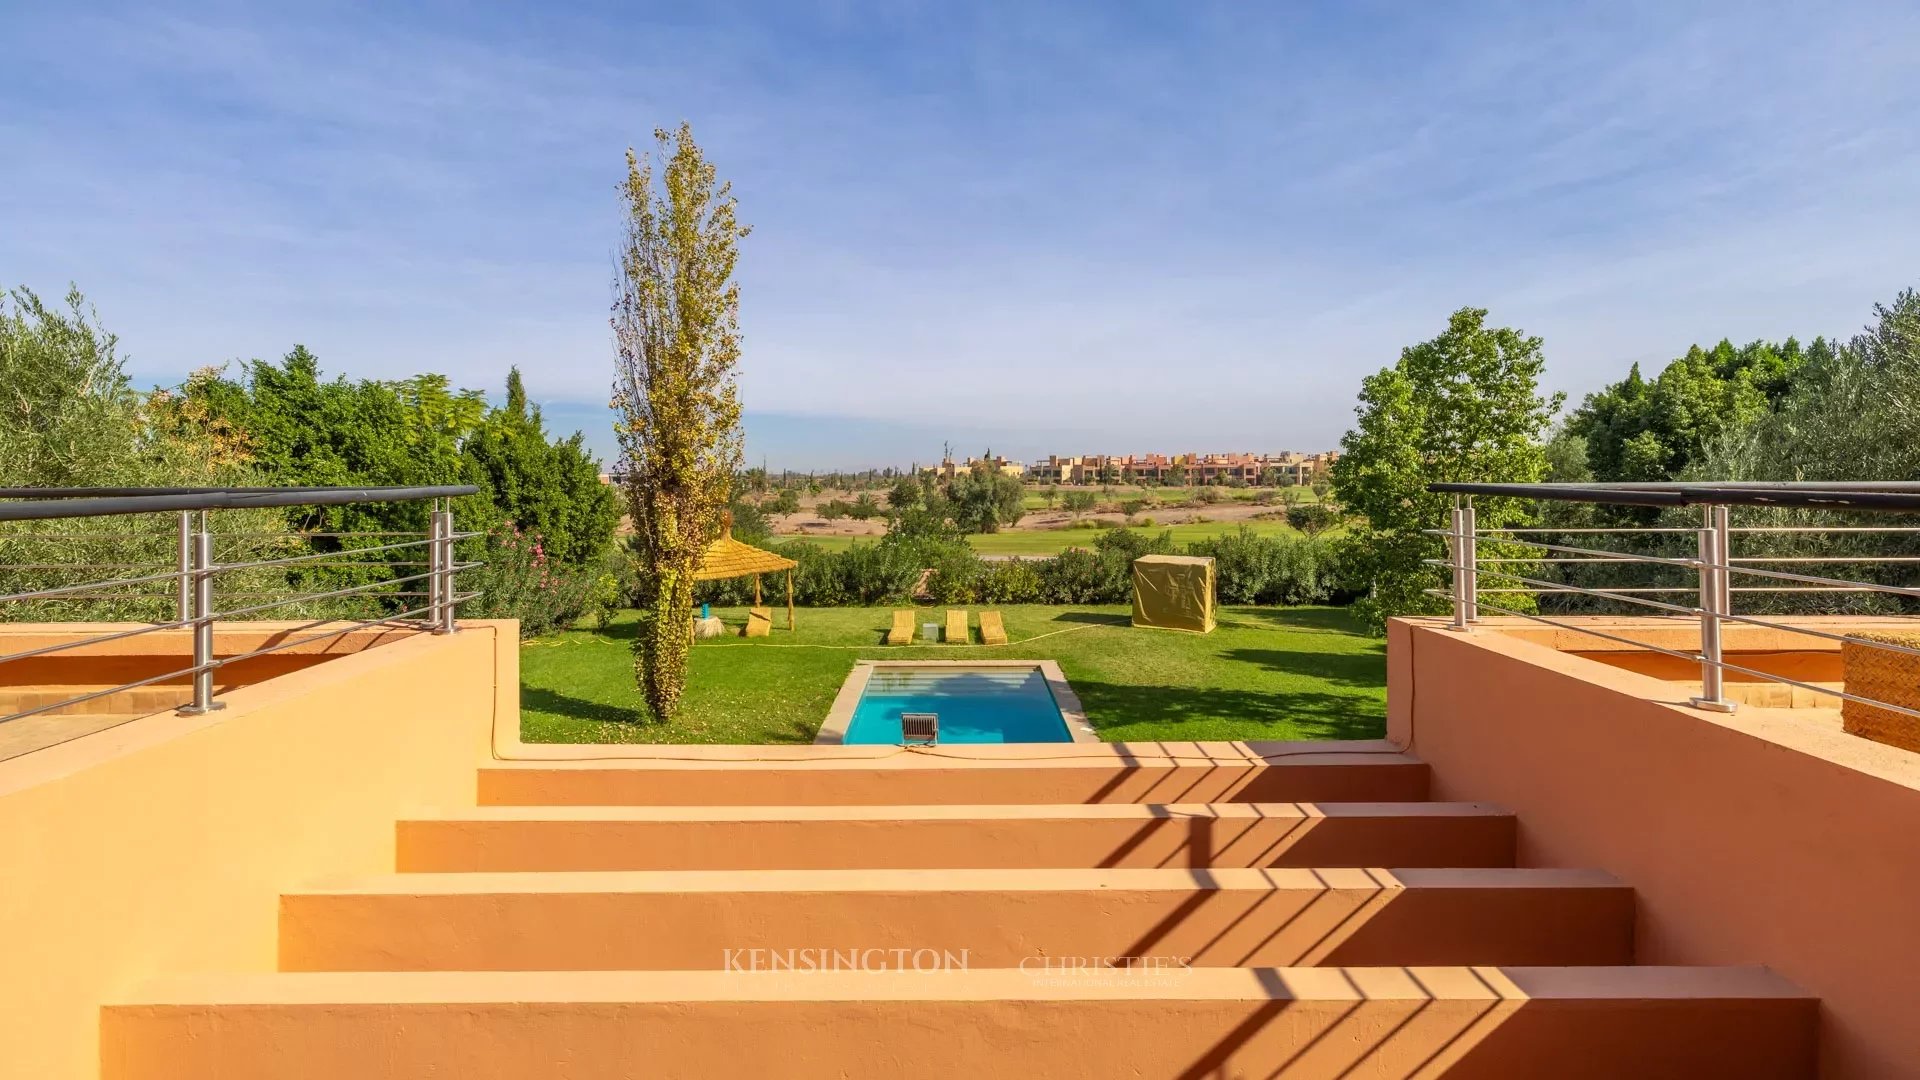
<point x="676" y="330"/>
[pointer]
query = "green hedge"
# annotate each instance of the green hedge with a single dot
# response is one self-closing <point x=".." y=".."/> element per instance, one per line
<point x="1249" y="569"/>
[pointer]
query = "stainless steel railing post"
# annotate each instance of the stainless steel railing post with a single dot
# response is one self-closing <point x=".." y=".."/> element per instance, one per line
<point x="183" y="586"/>
<point x="443" y="531"/>
<point x="1457" y="550"/>
<point x="202" y="621"/>
<point x="1714" y="596"/>
<point x="1470" y="562"/>
<point x="431" y="617"/>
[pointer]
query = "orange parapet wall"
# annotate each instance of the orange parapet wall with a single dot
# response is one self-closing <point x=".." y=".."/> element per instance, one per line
<point x="1767" y="836"/>
<point x="163" y="844"/>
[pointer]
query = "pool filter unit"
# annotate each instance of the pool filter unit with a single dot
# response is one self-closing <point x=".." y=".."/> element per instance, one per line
<point x="922" y="728"/>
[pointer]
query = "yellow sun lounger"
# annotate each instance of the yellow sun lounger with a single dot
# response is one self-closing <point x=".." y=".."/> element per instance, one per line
<point x="992" y="630"/>
<point x="957" y="627"/>
<point x="902" y="632"/>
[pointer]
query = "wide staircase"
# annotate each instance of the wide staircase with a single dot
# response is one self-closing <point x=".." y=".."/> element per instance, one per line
<point x="1166" y="910"/>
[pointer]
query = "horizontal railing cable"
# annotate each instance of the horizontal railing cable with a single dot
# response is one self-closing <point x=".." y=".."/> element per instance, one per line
<point x="1719" y="573"/>
<point x="1692" y="657"/>
<point x="97" y="694"/>
<point x="351" y="590"/>
<point x="191" y="583"/>
<point x="395" y="619"/>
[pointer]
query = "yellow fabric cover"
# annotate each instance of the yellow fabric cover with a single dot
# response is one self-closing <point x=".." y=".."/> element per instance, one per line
<point x="1173" y="592"/>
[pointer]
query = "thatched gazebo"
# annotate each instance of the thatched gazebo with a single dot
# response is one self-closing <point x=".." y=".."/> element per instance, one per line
<point x="730" y="558"/>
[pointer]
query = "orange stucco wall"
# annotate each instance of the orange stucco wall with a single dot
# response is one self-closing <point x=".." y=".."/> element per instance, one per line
<point x="156" y="652"/>
<point x="1764" y="836"/>
<point x="163" y="845"/>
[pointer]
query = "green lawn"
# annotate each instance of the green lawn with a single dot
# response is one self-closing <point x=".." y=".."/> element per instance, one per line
<point x="1054" y="541"/>
<point x="1265" y="673"/>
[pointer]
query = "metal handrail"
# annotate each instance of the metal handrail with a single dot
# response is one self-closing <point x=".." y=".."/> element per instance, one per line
<point x="1884" y="496"/>
<point x="196" y="570"/>
<point x="164" y="500"/>
<point x="1714" y="565"/>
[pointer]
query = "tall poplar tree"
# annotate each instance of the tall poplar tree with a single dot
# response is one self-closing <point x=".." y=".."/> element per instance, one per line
<point x="675" y="320"/>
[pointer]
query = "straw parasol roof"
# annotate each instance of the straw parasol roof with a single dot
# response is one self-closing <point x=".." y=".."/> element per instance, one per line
<point x="729" y="558"/>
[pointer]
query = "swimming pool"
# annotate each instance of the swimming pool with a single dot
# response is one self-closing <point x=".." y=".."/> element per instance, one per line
<point x="1002" y="702"/>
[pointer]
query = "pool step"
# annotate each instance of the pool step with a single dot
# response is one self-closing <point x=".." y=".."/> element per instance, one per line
<point x="521" y="838"/>
<point x="1356" y="771"/>
<point x="688" y="920"/>
<point x="1463" y="1023"/>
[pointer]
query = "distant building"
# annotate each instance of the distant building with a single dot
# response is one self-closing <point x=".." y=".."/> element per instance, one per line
<point x="948" y="469"/>
<point x="1284" y="467"/>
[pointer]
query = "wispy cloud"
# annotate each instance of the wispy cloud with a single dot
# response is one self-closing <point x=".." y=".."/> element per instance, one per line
<point x="1176" y="225"/>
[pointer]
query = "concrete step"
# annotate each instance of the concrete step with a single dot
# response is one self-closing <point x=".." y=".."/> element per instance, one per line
<point x="1294" y="1023"/>
<point x="686" y="920"/>
<point x="963" y="837"/>
<point x="1361" y="771"/>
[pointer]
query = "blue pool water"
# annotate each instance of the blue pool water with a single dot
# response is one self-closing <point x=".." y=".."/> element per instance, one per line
<point x="982" y="706"/>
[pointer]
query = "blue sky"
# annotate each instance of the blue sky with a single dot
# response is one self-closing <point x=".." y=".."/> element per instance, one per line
<point x="1040" y="227"/>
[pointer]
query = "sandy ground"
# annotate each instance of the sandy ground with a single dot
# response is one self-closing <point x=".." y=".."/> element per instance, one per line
<point x="808" y="522"/>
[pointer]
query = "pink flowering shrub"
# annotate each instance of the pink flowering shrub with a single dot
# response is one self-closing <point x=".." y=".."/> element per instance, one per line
<point x="519" y="581"/>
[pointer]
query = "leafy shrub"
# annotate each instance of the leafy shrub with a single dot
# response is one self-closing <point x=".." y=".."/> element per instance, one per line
<point x="1130" y="544"/>
<point x="1254" y="569"/>
<point x="1012" y="581"/>
<point x="819" y="580"/>
<point x="750" y="522"/>
<point x="1311" y="518"/>
<point x="1208" y="495"/>
<point x="1073" y="577"/>
<point x="1250" y="569"/>
<point x="956" y="572"/>
<point x="879" y="573"/>
<point x="614" y="581"/>
<point x="520" y="581"/>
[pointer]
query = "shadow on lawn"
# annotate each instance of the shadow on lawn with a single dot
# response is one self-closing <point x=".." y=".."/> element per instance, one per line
<point x="1098" y="618"/>
<point x="1306" y="714"/>
<point x="1325" y="620"/>
<point x="599" y="712"/>
<point x="622" y="630"/>
<point x="1368" y="669"/>
<point x="552" y="701"/>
